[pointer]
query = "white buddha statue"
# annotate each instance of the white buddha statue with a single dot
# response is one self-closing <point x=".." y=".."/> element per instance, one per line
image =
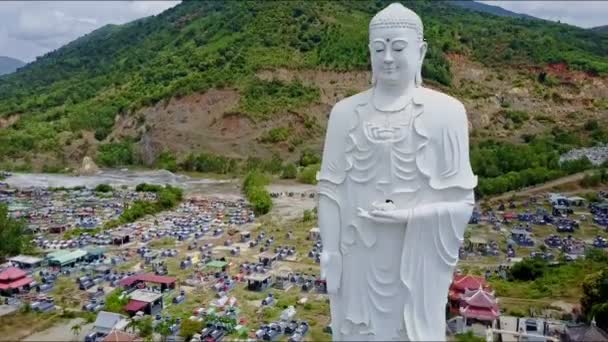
<point x="395" y="194"/>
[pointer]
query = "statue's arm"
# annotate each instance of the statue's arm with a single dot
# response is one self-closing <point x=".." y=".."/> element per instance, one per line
<point x="331" y="178"/>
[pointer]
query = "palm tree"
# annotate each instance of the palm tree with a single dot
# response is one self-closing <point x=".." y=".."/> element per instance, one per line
<point x="76" y="328"/>
<point x="132" y="325"/>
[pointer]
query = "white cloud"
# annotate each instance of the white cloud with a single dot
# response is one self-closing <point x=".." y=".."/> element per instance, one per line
<point x="31" y="28"/>
<point x="580" y="13"/>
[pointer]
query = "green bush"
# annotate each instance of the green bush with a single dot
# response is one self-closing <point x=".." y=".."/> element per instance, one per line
<point x="309" y="157"/>
<point x="114" y="303"/>
<point x="264" y="98"/>
<point x="103" y="188"/>
<point x="290" y="171"/>
<point x="256" y="193"/>
<point x="166" y="161"/>
<point x="115" y="154"/>
<point x="528" y="269"/>
<point x="518" y="117"/>
<point x="308" y="175"/>
<point x="168" y="197"/>
<point x="13" y="236"/>
<point x="276" y="135"/>
<point x="207" y="162"/>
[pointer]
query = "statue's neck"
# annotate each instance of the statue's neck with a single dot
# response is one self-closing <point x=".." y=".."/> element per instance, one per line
<point x="391" y="98"/>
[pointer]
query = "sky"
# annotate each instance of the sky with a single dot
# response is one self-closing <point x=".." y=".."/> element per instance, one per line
<point x="580" y="13"/>
<point x="32" y="28"/>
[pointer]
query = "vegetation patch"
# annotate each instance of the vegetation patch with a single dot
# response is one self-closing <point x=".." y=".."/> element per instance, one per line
<point x="263" y="98"/>
<point x="256" y="193"/>
<point x="168" y="197"/>
<point x="116" y="154"/>
<point x="276" y="135"/>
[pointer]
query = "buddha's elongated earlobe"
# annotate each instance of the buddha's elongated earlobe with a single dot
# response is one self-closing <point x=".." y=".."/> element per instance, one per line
<point x="418" y="77"/>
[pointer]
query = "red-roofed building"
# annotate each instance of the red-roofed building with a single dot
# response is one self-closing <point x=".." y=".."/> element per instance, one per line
<point x="150" y="303"/>
<point x="13" y="280"/>
<point x="479" y="305"/>
<point x="119" y="336"/>
<point x="460" y="284"/>
<point x="135" y="280"/>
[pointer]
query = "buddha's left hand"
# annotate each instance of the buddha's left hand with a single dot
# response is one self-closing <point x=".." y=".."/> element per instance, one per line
<point x="386" y="216"/>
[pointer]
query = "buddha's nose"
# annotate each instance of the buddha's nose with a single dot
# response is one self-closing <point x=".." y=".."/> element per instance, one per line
<point x="388" y="58"/>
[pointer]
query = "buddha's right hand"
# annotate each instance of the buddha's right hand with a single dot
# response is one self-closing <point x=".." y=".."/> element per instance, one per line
<point x="331" y="270"/>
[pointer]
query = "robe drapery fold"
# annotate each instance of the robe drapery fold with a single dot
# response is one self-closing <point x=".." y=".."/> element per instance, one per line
<point x="428" y="248"/>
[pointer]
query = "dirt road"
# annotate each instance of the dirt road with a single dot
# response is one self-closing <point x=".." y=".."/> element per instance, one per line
<point x="61" y="332"/>
<point x="543" y="187"/>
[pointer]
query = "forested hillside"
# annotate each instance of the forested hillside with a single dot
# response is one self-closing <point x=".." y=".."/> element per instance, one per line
<point x="242" y="79"/>
<point x="8" y="65"/>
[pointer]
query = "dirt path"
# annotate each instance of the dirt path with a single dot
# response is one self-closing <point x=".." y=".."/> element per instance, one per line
<point x="543" y="187"/>
<point x="61" y="331"/>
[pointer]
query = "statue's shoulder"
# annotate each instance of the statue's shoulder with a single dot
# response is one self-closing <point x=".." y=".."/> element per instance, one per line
<point x="440" y="108"/>
<point x="344" y="108"/>
<point x="437" y="101"/>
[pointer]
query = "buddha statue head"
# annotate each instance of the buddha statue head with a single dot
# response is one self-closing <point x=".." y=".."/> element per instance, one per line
<point x="397" y="47"/>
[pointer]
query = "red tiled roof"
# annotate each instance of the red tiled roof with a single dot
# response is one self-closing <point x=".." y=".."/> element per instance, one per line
<point x="481" y="299"/>
<point x="149" y="278"/>
<point x="135" y="305"/>
<point x="16" y="283"/>
<point x="483" y="314"/>
<point x="119" y="336"/>
<point x="463" y="282"/>
<point x="11" y="273"/>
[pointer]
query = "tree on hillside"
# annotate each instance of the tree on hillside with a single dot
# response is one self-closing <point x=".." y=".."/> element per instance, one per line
<point x="594" y="302"/>
<point x="13" y="237"/>
<point x="76" y="328"/>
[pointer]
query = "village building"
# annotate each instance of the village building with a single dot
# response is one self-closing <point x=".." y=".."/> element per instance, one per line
<point x="108" y="321"/>
<point x="479" y="306"/>
<point x="13" y="280"/>
<point x="144" y="279"/>
<point x="259" y="281"/>
<point x="26" y="262"/>
<point x="63" y="258"/>
<point x="148" y="302"/>
<point x="95" y="253"/>
<point x="245" y="236"/>
<point x="460" y="284"/>
<point x="314" y="233"/>
<point x="121" y="237"/>
<point x="268" y="258"/>
<point x="582" y="333"/>
<point x="217" y="266"/>
<point x="58" y="228"/>
<point x="120" y="336"/>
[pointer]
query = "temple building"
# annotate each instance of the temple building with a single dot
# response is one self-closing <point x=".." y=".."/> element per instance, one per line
<point x="12" y="280"/>
<point x="479" y="306"/>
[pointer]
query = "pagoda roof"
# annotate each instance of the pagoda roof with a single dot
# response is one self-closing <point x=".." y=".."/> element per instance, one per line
<point x="482" y="314"/>
<point x="463" y="282"/>
<point x="11" y="274"/>
<point x="480" y="298"/>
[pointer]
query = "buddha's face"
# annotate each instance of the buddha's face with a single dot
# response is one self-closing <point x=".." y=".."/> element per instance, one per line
<point x="396" y="55"/>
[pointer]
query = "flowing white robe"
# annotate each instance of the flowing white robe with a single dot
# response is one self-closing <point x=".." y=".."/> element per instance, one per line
<point x="395" y="277"/>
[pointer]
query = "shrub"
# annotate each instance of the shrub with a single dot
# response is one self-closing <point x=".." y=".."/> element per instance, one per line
<point x="308" y="157"/>
<point x="103" y="188"/>
<point x="256" y="193"/>
<point x="528" y="269"/>
<point x="115" y="154"/>
<point x="308" y="175"/>
<point x="276" y="135"/>
<point x="290" y="171"/>
<point x="167" y="162"/>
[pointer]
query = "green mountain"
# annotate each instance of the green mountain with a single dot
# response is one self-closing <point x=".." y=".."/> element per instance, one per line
<point x="496" y="10"/>
<point x="9" y="65"/>
<point x="600" y="29"/>
<point x="244" y="78"/>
